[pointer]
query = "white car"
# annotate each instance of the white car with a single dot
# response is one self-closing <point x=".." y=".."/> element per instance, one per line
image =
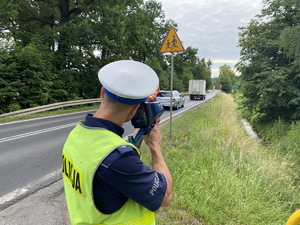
<point x="164" y="98"/>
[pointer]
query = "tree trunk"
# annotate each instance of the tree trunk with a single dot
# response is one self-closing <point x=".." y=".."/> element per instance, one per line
<point x="64" y="6"/>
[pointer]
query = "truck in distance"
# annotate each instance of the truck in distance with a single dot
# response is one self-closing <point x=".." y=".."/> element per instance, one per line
<point x="197" y="89"/>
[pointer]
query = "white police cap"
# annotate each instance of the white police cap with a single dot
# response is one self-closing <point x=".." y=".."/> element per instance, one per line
<point x="128" y="81"/>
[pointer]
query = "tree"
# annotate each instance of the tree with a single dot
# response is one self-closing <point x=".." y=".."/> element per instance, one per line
<point x="25" y="79"/>
<point x="188" y="66"/>
<point x="290" y="36"/>
<point x="9" y="83"/>
<point x="164" y="77"/>
<point x="270" y="82"/>
<point x="68" y="34"/>
<point x="202" y="70"/>
<point x="215" y="82"/>
<point x="227" y="78"/>
<point x="185" y="77"/>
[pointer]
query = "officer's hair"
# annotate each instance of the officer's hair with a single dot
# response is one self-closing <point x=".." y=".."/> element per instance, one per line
<point x="116" y="104"/>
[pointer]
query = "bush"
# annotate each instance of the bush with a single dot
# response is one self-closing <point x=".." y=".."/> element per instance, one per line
<point x="14" y="107"/>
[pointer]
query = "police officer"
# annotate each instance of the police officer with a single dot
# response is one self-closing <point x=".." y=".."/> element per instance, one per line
<point x="105" y="181"/>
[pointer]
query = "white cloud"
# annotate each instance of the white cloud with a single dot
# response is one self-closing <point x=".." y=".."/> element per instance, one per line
<point x="211" y="26"/>
<point x="228" y="61"/>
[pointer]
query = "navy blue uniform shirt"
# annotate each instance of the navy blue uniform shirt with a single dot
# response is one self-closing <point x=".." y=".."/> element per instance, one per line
<point x="123" y="175"/>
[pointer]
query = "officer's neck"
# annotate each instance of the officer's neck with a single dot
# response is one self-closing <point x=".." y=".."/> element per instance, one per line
<point x="118" y="118"/>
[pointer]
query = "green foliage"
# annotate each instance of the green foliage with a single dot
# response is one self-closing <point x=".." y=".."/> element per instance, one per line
<point x="289" y="38"/>
<point x="273" y="132"/>
<point x="9" y="84"/>
<point x="164" y="77"/>
<point x="185" y="77"/>
<point x="59" y="59"/>
<point x="25" y="80"/>
<point x="14" y="107"/>
<point x="227" y="78"/>
<point x="203" y="71"/>
<point x="284" y="136"/>
<point x="215" y="82"/>
<point x="269" y="81"/>
<point x="187" y="66"/>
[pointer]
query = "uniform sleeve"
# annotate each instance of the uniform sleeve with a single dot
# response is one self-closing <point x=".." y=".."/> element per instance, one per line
<point x="131" y="177"/>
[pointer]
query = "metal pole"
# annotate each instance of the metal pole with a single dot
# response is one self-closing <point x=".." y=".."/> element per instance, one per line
<point x="171" y="95"/>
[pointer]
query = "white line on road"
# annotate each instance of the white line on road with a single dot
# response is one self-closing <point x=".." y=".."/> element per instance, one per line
<point x="37" y="132"/>
<point x="46" y="117"/>
<point x="28" y="188"/>
<point x="12" y="195"/>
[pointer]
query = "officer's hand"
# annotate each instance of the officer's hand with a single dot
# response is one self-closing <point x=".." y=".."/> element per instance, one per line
<point x="153" y="138"/>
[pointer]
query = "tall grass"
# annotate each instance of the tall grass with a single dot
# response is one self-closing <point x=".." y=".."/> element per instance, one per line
<point x="220" y="174"/>
<point x="282" y="138"/>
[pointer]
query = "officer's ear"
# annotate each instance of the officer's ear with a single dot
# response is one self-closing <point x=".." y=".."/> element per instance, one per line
<point x="132" y="112"/>
<point x="134" y="109"/>
<point x="102" y="92"/>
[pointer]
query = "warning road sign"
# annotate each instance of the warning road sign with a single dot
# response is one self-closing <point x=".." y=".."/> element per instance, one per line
<point x="171" y="43"/>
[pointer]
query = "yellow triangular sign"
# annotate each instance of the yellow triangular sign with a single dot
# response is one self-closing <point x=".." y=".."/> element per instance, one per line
<point x="171" y="43"/>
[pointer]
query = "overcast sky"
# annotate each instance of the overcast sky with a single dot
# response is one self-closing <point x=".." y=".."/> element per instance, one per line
<point x="211" y="26"/>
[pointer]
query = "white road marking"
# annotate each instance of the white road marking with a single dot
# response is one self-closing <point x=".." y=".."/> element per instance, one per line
<point x="46" y="117"/>
<point x="21" y="191"/>
<point x="12" y="195"/>
<point x="36" y="132"/>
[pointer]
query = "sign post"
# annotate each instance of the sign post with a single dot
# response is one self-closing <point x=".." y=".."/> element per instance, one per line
<point x="171" y="44"/>
<point x="171" y="92"/>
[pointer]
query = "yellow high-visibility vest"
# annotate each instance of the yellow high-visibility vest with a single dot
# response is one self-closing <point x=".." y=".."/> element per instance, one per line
<point x="82" y="154"/>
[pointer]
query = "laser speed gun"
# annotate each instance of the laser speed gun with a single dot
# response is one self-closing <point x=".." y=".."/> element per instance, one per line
<point x="144" y="118"/>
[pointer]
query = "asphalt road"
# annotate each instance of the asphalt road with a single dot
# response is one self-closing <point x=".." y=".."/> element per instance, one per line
<point x="30" y="150"/>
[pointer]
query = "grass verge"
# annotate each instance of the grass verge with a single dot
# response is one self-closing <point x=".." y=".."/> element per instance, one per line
<point x="220" y="174"/>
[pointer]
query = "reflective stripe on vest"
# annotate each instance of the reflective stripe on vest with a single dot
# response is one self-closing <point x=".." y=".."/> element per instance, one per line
<point x="83" y="152"/>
